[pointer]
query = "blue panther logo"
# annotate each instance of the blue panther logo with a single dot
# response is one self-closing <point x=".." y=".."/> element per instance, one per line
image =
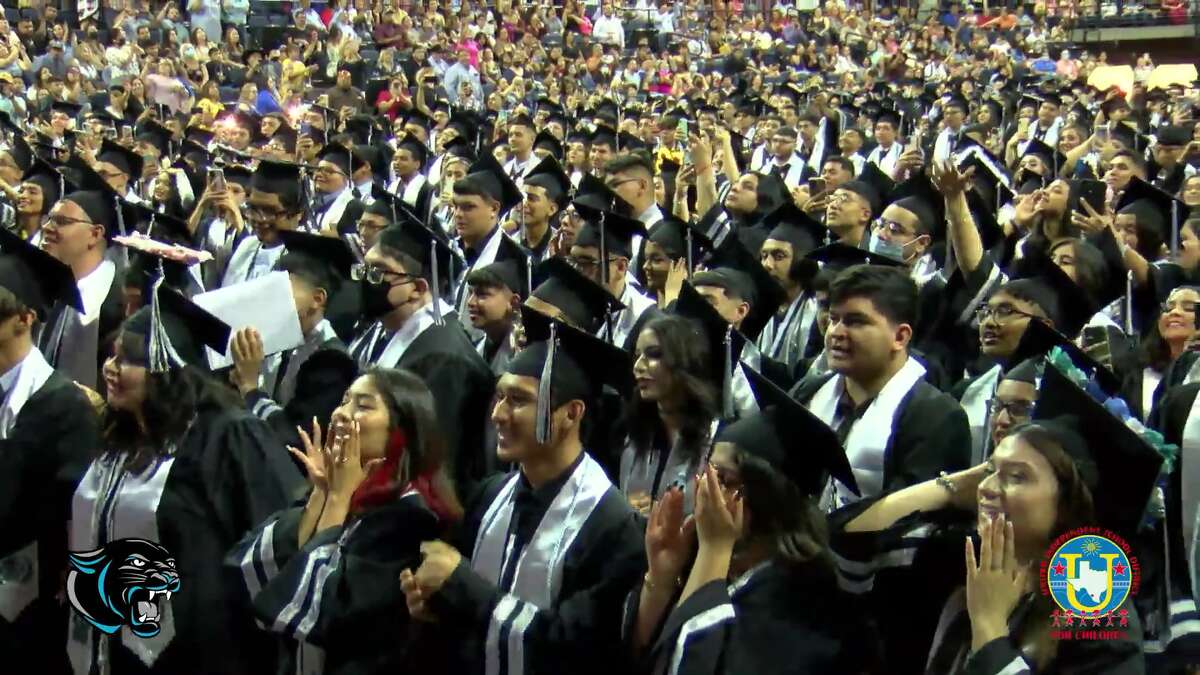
<point x="122" y="584"/>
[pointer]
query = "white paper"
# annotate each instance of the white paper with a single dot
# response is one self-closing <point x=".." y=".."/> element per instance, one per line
<point x="265" y="304"/>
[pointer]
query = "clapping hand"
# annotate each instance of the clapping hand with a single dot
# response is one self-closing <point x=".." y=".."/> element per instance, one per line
<point x="669" y="538"/>
<point x="315" y="458"/>
<point x="719" y="515"/>
<point x="995" y="583"/>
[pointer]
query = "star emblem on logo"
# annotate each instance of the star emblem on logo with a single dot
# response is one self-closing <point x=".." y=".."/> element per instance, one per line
<point x="1119" y="569"/>
<point x="1060" y="569"/>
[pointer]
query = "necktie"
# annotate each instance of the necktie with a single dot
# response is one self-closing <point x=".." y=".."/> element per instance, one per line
<point x="279" y="377"/>
<point x="381" y="343"/>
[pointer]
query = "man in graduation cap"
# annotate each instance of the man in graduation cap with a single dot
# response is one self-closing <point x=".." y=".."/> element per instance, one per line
<point x="631" y="177"/>
<point x="408" y="163"/>
<point x="77" y="232"/>
<point x="897" y="428"/>
<point x="553" y="547"/>
<point x="48" y="430"/>
<point x="480" y="201"/>
<point x="607" y="235"/>
<point x="954" y="117"/>
<point x="494" y="296"/>
<point x="852" y="208"/>
<point x="275" y="204"/>
<point x="888" y="148"/>
<point x="406" y="281"/>
<point x="905" y="230"/>
<point x="291" y="388"/>
<point x="566" y="294"/>
<point x="520" y="133"/>
<point x="121" y="168"/>
<point x="790" y="336"/>
<point x="335" y="208"/>
<point x="547" y="190"/>
<point x="1168" y="169"/>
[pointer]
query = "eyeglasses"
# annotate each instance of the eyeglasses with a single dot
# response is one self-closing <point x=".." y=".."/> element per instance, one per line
<point x="585" y="263"/>
<point x="1000" y="313"/>
<point x="892" y="227"/>
<point x="1017" y="410"/>
<point x="617" y="183"/>
<point x="377" y="275"/>
<point x="328" y="171"/>
<point x="260" y="214"/>
<point x="62" y="221"/>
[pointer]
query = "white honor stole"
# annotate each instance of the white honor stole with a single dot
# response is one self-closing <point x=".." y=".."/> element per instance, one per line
<point x="872" y="433"/>
<point x="412" y="191"/>
<point x="977" y="402"/>
<point x="537" y="579"/>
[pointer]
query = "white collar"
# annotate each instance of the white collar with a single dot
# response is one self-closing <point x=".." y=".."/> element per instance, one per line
<point x="417" y="324"/>
<point x="8" y="379"/>
<point x="94" y="288"/>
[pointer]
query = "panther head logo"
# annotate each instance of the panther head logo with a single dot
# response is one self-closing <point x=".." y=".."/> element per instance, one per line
<point x="122" y="584"/>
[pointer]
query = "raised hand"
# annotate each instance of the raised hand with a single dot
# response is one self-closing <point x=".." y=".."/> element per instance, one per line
<point x="315" y="458"/>
<point x="719" y="516"/>
<point x="669" y="538"/>
<point x="995" y="583"/>
<point x="949" y="180"/>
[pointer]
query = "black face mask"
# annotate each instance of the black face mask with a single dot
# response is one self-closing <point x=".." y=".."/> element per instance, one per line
<point x="375" y="300"/>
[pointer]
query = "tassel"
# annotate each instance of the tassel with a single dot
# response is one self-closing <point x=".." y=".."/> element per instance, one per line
<point x="690" y="262"/>
<point x="153" y="222"/>
<point x="528" y="276"/>
<point x="1129" y="303"/>
<point x="727" y="377"/>
<point x="162" y="353"/>
<point x="120" y="217"/>
<point x="603" y="254"/>
<point x="545" y="391"/>
<point x="1174" y="229"/>
<point x="437" y="288"/>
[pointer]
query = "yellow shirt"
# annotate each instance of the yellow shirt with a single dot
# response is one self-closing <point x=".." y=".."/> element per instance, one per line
<point x="212" y="108"/>
<point x="665" y="153"/>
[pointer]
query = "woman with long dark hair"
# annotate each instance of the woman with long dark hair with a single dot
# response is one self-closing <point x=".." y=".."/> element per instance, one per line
<point x="378" y="491"/>
<point x="184" y="466"/>
<point x="1163" y="343"/>
<point x="1075" y="465"/>
<point x="671" y="412"/>
<point x="760" y="594"/>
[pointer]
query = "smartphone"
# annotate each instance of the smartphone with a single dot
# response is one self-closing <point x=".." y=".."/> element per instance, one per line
<point x="816" y="186"/>
<point x="127" y="134"/>
<point x="1101" y="133"/>
<point x="1094" y="192"/>
<point x="110" y="133"/>
<point x="502" y="116"/>
<point x="216" y="179"/>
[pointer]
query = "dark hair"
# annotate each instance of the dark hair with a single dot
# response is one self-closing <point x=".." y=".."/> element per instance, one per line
<point x="485" y="278"/>
<point x="630" y="160"/>
<point x="173" y="399"/>
<point x="1091" y="272"/>
<point x="1154" y="352"/>
<point x="411" y="410"/>
<point x="890" y="289"/>
<point x="686" y="355"/>
<point x="472" y="186"/>
<point x="1075" y="507"/>
<point x="809" y="115"/>
<point x="846" y="164"/>
<point x="1133" y="158"/>
<point x="782" y="514"/>
<point x="314" y="272"/>
<point x="1035" y="293"/>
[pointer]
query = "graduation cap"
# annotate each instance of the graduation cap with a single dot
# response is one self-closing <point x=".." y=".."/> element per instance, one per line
<point x="838" y="256"/>
<point x="603" y="136"/>
<point x="582" y="301"/>
<point x="611" y="233"/>
<point x="1174" y="136"/>
<point x="327" y="261"/>
<point x="67" y="108"/>
<point x="340" y="156"/>
<point x="21" y="153"/>
<point x="494" y="182"/>
<point x="127" y="161"/>
<point x="1128" y="137"/>
<point x="569" y="365"/>
<point x="286" y="136"/>
<point x="172" y="332"/>
<point x="104" y="208"/>
<point x="725" y="342"/>
<point x="1118" y="466"/>
<point x="1039" y="339"/>
<point x="681" y="240"/>
<point x="1154" y="208"/>
<point x="1111" y="104"/>
<point x="427" y="248"/>
<point x="276" y="177"/>
<point x="918" y="196"/>
<point x="770" y="434"/>
<point x="372" y="156"/>
<point x="391" y="207"/>
<point x="887" y="116"/>
<point x="459" y="147"/>
<point x="419" y="150"/>
<point x="50" y="180"/>
<point x="549" y="175"/>
<point x="1052" y="158"/>
<point x="247" y="120"/>
<point x="36" y="278"/>
<point x="593" y="194"/>
<point x="363" y="128"/>
<point x="161" y="226"/>
<point x="627" y="141"/>
<point x="157" y="135"/>
<point x="990" y="175"/>
<point x="550" y="143"/>
<point x="513" y="267"/>
<point x="236" y="173"/>
<point x="734" y="268"/>
<point x="1074" y="306"/>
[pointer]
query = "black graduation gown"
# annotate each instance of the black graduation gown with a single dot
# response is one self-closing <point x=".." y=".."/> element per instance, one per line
<point x="775" y="619"/>
<point x="357" y="613"/>
<point x="906" y="575"/>
<point x="580" y="634"/>
<point x="320" y="383"/>
<point x="112" y="314"/>
<point x="41" y="462"/>
<point x="931" y="434"/>
<point x="228" y="474"/>
<point x="462" y="384"/>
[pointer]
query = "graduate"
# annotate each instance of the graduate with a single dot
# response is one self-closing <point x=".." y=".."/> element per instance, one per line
<point x="761" y="595"/>
<point x="897" y="428"/>
<point x="569" y="296"/>
<point x="276" y="203"/>
<point x="672" y="412"/>
<point x="378" y="490"/>
<point x="548" y="552"/>
<point x="789" y="336"/>
<point x="175" y="445"/>
<point x="335" y="208"/>
<point x="295" y="386"/>
<point x="120" y="168"/>
<point x="78" y="232"/>
<point x="41" y="187"/>
<point x="547" y="191"/>
<point x="494" y="301"/>
<point x="480" y="201"/>
<point x="606" y="234"/>
<point x="416" y="329"/>
<point x="1043" y="480"/>
<point x="39" y="466"/>
<point x="410" y="183"/>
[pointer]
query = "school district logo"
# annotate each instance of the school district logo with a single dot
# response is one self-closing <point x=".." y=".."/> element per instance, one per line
<point x="122" y="584"/>
<point x="1090" y="574"/>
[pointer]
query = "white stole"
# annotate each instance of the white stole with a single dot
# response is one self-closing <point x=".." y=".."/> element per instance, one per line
<point x="537" y="579"/>
<point x="333" y="214"/>
<point x="871" y="434"/>
<point x="977" y="402"/>
<point x="412" y="191"/>
<point x="487" y="256"/>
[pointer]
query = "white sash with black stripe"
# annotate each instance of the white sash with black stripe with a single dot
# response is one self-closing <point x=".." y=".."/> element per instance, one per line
<point x="537" y="579"/>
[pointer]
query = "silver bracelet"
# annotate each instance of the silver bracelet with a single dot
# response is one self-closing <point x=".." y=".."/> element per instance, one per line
<point x="943" y="479"/>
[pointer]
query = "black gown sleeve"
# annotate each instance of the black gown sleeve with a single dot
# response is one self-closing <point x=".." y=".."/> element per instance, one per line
<point x="320" y="383"/>
<point x="931" y="435"/>
<point x="581" y="632"/>
<point x="1074" y="657"/>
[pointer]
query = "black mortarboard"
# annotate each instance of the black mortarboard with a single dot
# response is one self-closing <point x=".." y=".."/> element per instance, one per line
<point x="569" y="364"/>
<point x="339" y="156"/>
<point x="582" y="301"/>
<point x="918" y="196"/>
<point x="160" y="226"/>
<point x="36" y="278"/>
<point x="1052" y="158"/>
<point x="363" y="128"/>
<point x="513" y="266"/>
<point x="171" y="332"/>
<point x="104" y="208"/>
<point x="372" y="156"/>
<point x="236" y="173"/>
<point x="67" y="108"/>
<point x="1128" y="137"/>
<point x="1155" y="208"/>
<point x="681" y="240"/>
<point x="548" y="175"/>
<point x="617" y="232"/>
<point x="459" y="147"/>
<point x="50" y="180"/>
<point x="156" y="134"/>
<point x="21" y="153"/>
<point x="763" y="292"/>
<point x="604" y="136"/>
<point x="419" y="150"/>
<point x="725" y="342"/>
<point x="888" y="116"/>
<point x="494" y="181"/>
<point x="427" y="248"/>
<point x="276" y="177"/>
<point x="1039" y="338"/>
<point x="549" y="142"/>
<point x="1075" y="306"/>
<point x="1118" y="466"/>
<point x="126" y="160"/>
<point x="1174" y="136"/>
<point x="333" y="252"/>
<point x="838" y="256"/>
<point x="770" y="434"/>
